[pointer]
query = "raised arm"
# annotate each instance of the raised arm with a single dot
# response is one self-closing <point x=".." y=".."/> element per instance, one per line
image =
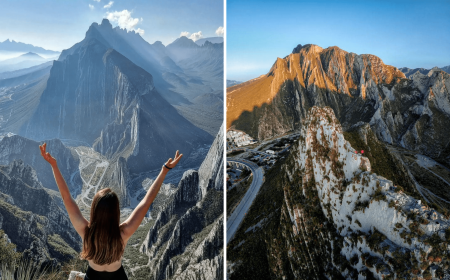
<point x="76" y="218"/>
<point x="132" y="223"/>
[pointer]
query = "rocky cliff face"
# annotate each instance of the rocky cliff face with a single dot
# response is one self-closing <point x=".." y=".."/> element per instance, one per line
<point x="211" y="171"/>
<point x="332" y="217"/>
<point x="186" y="240"/>
<point x="359" y="88"/>
<point x="32" y="218"/>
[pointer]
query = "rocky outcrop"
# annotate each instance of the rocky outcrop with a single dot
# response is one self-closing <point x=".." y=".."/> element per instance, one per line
<point x="211" y="171"/>
<point x="426" y="118"/>
<point x="17" y="147"/>
<point x="359" y="88"/>
<point x="337" y="219"/>
<point x="204" y="262"/>
<point x="76" y="275"/>
<point x="186" y="196"/>
<point x="186" y="239"/>
<point x="36" y="228"/>
<point x="29" y="232"/>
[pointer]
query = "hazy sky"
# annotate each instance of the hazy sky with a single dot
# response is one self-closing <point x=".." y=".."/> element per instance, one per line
<point x="402" y="33"/>
<point x="57" y="25"/>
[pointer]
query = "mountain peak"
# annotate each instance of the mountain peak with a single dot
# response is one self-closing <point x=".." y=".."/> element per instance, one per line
<point x="157" y="43"/>
<point x="297" y="48"/>
<point x="183" y="42"/>
<point x="331" y="70"/>
<point x="213" y="40"/>
<point x="30" y="54"/>
<point x="106" y="23"/>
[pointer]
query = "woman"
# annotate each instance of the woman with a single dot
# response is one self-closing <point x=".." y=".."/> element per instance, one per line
<point x="104" y="238"/>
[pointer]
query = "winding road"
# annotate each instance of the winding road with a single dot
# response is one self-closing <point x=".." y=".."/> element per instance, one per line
<point x="85" y="160"/>
<point x="238" y="214"/>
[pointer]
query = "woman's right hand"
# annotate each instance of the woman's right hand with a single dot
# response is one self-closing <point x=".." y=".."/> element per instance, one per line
<point x="172" y="163"/>
<point x="46" y="155"/>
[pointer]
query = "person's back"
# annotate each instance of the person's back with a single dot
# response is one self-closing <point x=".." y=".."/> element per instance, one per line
<point x="108" y="267"/>
<point x="104" y="238"/>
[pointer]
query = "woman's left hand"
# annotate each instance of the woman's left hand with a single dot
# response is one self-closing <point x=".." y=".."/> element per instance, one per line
<point x="172" y="163"/>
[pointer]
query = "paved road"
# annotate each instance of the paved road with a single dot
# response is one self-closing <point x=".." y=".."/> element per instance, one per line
<point x="237" y="216"/>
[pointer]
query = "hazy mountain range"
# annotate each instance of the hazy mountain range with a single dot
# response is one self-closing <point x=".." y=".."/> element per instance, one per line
<point x="214" y="40"/>
<point x="17" y="56"/>
<point x="13" y="46"/>
<point x="23" y="61"/>
<point x="409" y="72"/>
<point x="231" y="83"/>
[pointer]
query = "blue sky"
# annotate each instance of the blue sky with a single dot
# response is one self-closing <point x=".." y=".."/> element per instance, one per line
<point x="402" y="33"/>
<point x="57" y="25"/>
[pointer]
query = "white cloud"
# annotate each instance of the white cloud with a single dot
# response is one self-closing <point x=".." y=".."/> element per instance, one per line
<point x="196" y="36"/>
<point x="91" y="6"/>
<point x="97" y="1"/>
<point x="220" y="31"/>
<point x="124" y="20"/>
<point x="184" y="33"/>
<point x="109" y="5"/>
<point x="140" y="31"/>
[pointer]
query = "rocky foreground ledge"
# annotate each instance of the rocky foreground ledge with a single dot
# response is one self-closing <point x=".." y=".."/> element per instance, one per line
<point x="76" y="275"/>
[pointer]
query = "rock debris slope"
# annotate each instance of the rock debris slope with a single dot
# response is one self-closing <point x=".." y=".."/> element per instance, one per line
<point x="186" y="241"/>
<point x="332" y="217"/>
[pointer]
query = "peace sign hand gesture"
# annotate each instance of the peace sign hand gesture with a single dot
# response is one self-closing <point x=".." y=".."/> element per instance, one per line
<point x="46" y="155"/>
<point x="172" y="163"/>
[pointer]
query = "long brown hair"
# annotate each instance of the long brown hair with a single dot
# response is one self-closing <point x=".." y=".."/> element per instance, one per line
<point x="102" y="242"/>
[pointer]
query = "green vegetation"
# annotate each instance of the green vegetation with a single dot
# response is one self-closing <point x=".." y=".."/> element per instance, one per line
<point x="59" y="248"/>
<point x="235" y="195"/>
<point x="132" y="255"/>
<point x="252" y="254"/>
<point x="379" y="195"/>
<point x="375" y="239"/>
<point x="141" y="273"/>
<point x="447" y="234"/>
<point x="381" y="160"/>
<point x="25" y="269"/>
<point x="361" y="205"/>
<point x="8" y="254"/>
